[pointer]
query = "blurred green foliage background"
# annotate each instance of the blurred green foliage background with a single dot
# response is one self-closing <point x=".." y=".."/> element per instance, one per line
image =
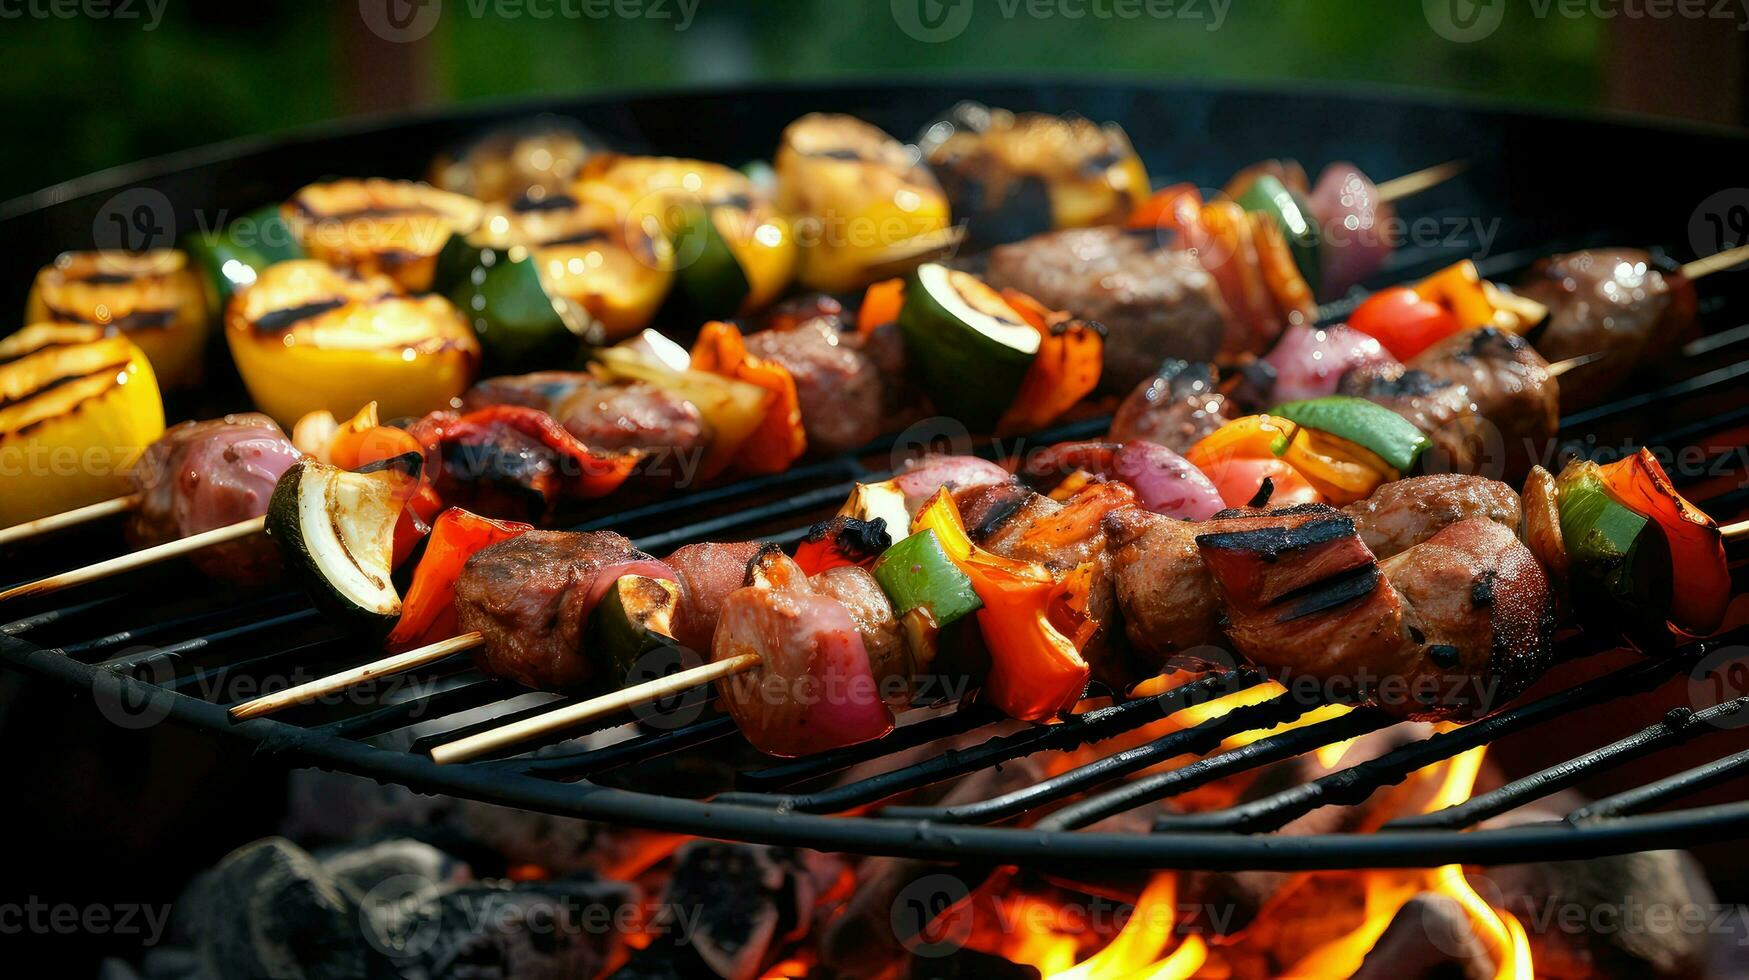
<point x="84" y="93"/>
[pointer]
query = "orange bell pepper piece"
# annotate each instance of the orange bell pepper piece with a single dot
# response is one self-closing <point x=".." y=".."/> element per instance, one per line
<point x="1065" y="370"/>
<point x="880" y="305"/>
<point x="1164" y="209"/>
<point x="779" y="439"/>
<point x="428" y="612"/>
<point x="1036" y="672"/>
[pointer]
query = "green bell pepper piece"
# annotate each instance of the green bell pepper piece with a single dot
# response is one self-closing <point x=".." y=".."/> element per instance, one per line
<point x="917" y="573"/>
<point x="1392" y="437"/>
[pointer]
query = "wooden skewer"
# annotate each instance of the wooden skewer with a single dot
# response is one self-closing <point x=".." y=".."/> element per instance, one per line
<point x="335" y="683"/>
<point x="138" y="559"/>
<point x="68" y="518"/>
<point x="1562" y="367"/>
<point x="1716" y="262"/>
<point x="570" y="716"/>
<point x="1731" y="532"/>
<point x="1398" y="188"/>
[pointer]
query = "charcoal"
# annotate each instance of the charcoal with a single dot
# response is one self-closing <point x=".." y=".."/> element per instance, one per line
<point x="363" y="867"/>
<point x="1430" y="938"/>
<point x="728" y="911"/>
<point x="968" y="964"/>
<point x="547" y="930"/>
<point x="270" y="910"/>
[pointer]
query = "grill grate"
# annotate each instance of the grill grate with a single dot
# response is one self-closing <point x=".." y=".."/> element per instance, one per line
<point x="164" y="653"/>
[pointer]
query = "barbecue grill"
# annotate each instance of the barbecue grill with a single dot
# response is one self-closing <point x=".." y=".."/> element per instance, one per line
<point x="1537" y="184"/>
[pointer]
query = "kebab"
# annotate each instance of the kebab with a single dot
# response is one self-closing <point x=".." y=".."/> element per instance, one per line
<point x="1457" y="521"/>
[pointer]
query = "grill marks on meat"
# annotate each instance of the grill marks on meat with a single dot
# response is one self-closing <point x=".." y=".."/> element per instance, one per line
<point x="611" y="416"/>
<point x="838" y="384"/>
<point x="1154" y="302"/>
<point x="204" y="475"/>
<point x="1454" y="621"/>
<point x="1175" y="408"/>
<point x="1608" y="300"/>
<point x="531" y="597"/>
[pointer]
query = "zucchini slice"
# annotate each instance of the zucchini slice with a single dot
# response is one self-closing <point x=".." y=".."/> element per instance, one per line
<point x="634" y="619"/>
<point x="336" y="528"/>
<point x="973" y="349"/>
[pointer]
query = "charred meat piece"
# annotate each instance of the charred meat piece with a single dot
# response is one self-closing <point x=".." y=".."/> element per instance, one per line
<point x="613" y="416"/>
<point x="1302" y="595"/>
<point x="1176" y="407"/>
<point x="1611" y="301"/>
<point x="1404" y="513"/>
<point x="838" y="384"/>
<point x="531" y="596"/>
<point x="203" y="475"/>
<point x="1169" y="604"/>
<point x="1511" y="393"/>
<point x="1480" y="618"/>
<point x="1154" y="302"/>
<point x="707" y="573"/>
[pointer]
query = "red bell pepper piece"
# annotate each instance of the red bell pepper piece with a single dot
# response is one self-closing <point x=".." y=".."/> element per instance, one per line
<point x="1065" y="370"/>
<point x="1697" y="549"/>
<point x="588" y="473"/>
<point x="842" y="541"/>
<point x="779" y="440"/>
<point x="1403" y="321"/>
<point x="428" y="610"/>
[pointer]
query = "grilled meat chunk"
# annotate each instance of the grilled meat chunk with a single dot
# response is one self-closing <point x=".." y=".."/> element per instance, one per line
<point x="531" y="597"/>
<point x="889" y="657"/>
<point x="203" y="475"/>
<point x="1154" y="302"/>
<point x="922" y="477"/>
<point x="1611" y="301"/>
<point x="1169" y="604"/>
<point x="838" y="384"/>
<point x="1512" y="396"/>
<point x="707" y="573"/>
<point x="605" y="415"/>
<point x="1175" y="408"/>
<point x="1404" y="513"/>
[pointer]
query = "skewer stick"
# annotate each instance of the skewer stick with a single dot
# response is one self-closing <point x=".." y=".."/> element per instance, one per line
<point x="1398" y="188"/>
<point x="474" y="746"/>
<point x="1715" y="262"/>
<point x="1562" y="367"/>
<point x="138" y="559"/>
<point x="335" y="683"/>
<point x="1731" y="532"/>
<point x="69" y="518"/>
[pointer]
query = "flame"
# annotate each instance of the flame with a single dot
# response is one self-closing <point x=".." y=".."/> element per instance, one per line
<point x="1135" y="953"/>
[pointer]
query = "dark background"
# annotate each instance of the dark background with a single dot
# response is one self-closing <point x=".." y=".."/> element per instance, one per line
<point x="82" y="93"/>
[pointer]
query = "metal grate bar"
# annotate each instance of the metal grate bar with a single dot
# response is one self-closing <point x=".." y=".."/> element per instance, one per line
<point x="949" y="725"/>
<point x="1642" y="798"/>
<point x="1073" y="732"/>
<point x="639" y="748"/>
<point x="141" y="634"/>
<point x="181" y="648"/>
<point x="207" y="678"/>
<point x="1196" y="740"/>
<point x="463" y="690"/>
<point x="1355" y="784"/>
<point x="1679" y="725"/>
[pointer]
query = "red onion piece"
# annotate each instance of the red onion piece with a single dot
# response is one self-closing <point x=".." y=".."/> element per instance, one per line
<point x="1310" y="361"/>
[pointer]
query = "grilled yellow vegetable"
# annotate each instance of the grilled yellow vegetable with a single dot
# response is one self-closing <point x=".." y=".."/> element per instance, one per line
<point x="862" y="205"/>
<point x="1012" y="176"/>
<point x="156" y="298"/>
<point x="539" y="280"/>
<point x="379" y="227"/>
<point x="76" y="410"/>
<point x="308" y="337"/>
<point x="734" y="252"/>
<point x="530" y="162"/>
